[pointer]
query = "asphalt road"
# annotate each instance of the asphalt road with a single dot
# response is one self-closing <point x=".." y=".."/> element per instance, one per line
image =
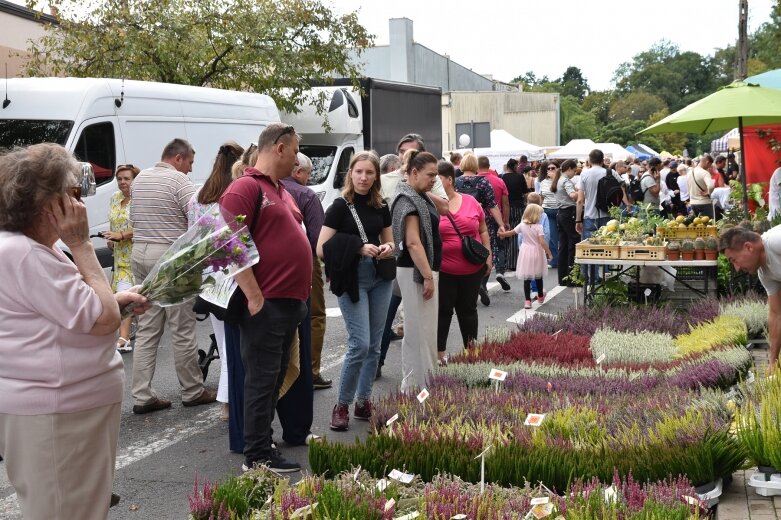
<point x="161" y="454"/>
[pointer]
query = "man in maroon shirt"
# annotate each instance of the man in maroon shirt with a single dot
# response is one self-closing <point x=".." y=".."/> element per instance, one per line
<point x="276" y="288"/>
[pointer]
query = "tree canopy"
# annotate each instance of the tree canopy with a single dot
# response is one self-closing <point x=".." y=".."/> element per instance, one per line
<point x="271" y="46"/>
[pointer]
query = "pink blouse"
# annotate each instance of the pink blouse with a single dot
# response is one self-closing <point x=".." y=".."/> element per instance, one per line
<point x="49" y="363"/>
<point x="467" y="218"/>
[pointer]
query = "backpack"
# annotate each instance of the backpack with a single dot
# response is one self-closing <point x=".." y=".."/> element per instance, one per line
<point x="635" y="191"/>
<point x="609" y="192"/>
<point x="469" y="187"/>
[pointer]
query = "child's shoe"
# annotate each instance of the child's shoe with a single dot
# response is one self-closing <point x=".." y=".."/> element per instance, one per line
<point x="528" y="304"/>
<point x="541" y="298"/>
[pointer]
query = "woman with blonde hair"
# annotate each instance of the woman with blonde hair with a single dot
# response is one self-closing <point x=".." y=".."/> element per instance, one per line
<point x="534" y="252"/>
<point x="355" y="236"/>
<point x="120" y="241"/>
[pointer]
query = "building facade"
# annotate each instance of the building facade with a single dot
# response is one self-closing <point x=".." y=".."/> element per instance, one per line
<point x="467" y="95"/>
<point x="18" y="25"/>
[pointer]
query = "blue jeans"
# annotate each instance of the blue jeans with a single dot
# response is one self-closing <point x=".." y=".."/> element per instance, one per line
<point x="553" y="243"/>
<point x="590" y="226"/>
<point x="364" y="320"/>
<point x="393" y="307"/>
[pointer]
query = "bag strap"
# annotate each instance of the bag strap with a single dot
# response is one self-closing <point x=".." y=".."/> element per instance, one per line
<point x="357" y="221"/>
<point x="258" y="209"/>
<point x="702" y="190"/>
<point x="460" y="236"/>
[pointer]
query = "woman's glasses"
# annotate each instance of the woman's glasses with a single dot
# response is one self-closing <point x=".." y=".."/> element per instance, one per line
<point x="552" y="168"/>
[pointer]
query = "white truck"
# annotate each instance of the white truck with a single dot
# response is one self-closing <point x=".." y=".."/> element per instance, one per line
<point x="108" y="122"/>
<point x="386" y="112"/>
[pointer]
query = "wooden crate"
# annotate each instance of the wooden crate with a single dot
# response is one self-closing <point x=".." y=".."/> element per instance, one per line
<point x="642" y="252"/>
<point x="679" y="233"/>
<point x="596" y="251"/>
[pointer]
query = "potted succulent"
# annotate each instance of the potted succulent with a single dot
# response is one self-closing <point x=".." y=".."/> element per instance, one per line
<point x="699" y="248"/>
<point x="687" y="249"/>
<point x="673" y="250"/>
<point x="711" y="248"/>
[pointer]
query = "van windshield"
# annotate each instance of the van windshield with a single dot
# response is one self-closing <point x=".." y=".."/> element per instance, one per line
<point x="322" y="158"/>
<point x="24" y="132"/>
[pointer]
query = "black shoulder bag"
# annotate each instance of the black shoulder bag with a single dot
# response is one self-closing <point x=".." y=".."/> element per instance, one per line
<point x="238" y="302"/>
<point x="385" y="267"/>
<point x="474" y="252"/>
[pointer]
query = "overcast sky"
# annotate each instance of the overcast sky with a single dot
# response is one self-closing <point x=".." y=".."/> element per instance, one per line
<point x="506" y="38"/>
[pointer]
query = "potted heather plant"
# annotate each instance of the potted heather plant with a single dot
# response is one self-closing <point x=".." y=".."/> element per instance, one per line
<point x="673" y="250"/>
<point x="687" y="249"/>
<point x="711" y="248"/>
<point x="699" y="248"/>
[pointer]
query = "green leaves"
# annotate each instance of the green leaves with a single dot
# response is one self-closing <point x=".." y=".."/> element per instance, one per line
<point x="271" y="46"/>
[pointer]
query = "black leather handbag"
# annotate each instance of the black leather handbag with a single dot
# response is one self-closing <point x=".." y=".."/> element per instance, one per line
<point x="474" y="252"/>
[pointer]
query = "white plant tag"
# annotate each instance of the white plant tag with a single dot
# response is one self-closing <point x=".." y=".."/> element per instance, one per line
<point x="459" y="516"/>
<point x="422" y="396"/>
<point x="392" y="419"/>
<point x="404" y="478"/>
<point x="409" y="516"/>
<point x="381" y="484"/>
<point x="690" y="500"/>
<point x="389" y="504"/>
<point x="539" y="500"/>
<point x="601" y="358"/>
<point x="534" y="419"/>
<point x="497" y="375"/>
<point x="647" y="292"/>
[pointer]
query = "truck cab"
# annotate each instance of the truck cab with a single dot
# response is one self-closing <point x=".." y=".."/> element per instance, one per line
<point x="330" y="152"/>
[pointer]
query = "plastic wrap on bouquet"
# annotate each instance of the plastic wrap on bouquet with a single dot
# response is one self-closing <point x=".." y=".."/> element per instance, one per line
<point x="216" y="246"/>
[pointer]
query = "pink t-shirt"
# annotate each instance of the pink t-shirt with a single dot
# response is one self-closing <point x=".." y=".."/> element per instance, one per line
<point x="468" y="218"/>
<point x="49" y="363"/>
<point x="500" y="188"/>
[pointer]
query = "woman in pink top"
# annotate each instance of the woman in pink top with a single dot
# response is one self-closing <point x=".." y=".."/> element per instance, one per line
<point x="61" y="377"/>
<point x="459" y="279"/>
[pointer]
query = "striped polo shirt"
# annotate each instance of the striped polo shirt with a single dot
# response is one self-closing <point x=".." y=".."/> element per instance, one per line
<point x="158" y="204"/>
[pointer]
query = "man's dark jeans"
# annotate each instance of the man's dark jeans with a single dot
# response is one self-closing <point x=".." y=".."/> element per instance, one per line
<point x="265" y="352"/>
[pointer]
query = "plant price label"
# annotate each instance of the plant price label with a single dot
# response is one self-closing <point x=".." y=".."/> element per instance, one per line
<point x="600" y="359"/>
<point x="497" y="375"/>
<point x="389" y="504"/>
<point x="392" y="419"/>
<point x="381" y="484"/>
<point x="534" y="419"/>
<point x="459" y="516"/>
<point x="539" y="500"/>
<point x="423" y="395"/>
<point x="410" y="516"/>
<point x="404" y="478"/>
<point x="542" y="510"/>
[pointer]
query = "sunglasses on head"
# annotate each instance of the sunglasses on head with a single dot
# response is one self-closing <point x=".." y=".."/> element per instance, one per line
<point x="552" y="167"/>
<point x="126" y="167"/>
<point x="288" y="130"/>
<point x="75" y="192"/>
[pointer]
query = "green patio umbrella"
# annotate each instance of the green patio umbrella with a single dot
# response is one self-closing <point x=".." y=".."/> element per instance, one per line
<point x="737" y="104"/>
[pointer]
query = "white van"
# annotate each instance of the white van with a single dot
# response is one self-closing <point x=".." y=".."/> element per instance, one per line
<point x="107" y="122"/>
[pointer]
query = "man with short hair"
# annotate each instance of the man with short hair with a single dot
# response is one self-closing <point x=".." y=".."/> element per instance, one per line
<point x="720" y="165"/>
<point x="700" y="185"/>
<point x="276" y="288"/>
<point x="389" y="162"/>
<point x="498" y="244"/>
<point x="158" y="212"/>
<point x="313" y="215"/>
<point x="754" y="253"/>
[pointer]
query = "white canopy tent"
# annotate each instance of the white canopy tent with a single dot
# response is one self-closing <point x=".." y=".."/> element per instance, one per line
<point x="615" y="152"/>
<point x="505" y="146"/>
<point x="575" y="149"/>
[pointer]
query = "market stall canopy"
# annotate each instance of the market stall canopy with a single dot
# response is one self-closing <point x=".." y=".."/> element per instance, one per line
<point x="615" y="152"/>
<point x="664" y="154"/>
<point x="722" y="110"/>
<point x="647" y="149"/>
<point x="769" y="79"/>
<point x="640" y="154"/>
<point x="505" y="146"/>
<point x="575" y="149"/>
<point x="727" y="142"/>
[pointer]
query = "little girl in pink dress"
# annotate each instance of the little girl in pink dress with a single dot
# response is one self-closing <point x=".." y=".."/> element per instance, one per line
<point x="534" y="253"/>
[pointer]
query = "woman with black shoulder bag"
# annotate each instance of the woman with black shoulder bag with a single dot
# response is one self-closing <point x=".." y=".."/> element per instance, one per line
<point x="462" y="270"/>
<point x="356" y="243"/>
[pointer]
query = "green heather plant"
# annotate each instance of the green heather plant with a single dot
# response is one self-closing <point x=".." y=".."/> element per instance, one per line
<point x="758" y="421"/>
<point x="631" y="347"/>
<point x="752" y="310"/>
<point x="723" y="330"/>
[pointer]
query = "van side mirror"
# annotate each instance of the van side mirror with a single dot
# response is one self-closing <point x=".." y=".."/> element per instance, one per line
<point x="87" y="180"/>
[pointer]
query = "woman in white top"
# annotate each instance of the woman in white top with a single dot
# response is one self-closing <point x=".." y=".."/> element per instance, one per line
<point x="551" y="207"/>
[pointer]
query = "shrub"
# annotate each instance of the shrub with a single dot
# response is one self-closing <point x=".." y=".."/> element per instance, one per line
<point x="723" y="330"/>
<point x="632" y="347"/>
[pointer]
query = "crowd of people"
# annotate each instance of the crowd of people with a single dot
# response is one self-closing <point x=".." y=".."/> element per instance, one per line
<point x="408" y="229"/>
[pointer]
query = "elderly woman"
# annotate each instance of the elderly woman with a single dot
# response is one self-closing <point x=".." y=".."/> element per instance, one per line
<point x="416" y="231"/>
<point x="120" y="237"/>
<point x="61" y="377"/>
